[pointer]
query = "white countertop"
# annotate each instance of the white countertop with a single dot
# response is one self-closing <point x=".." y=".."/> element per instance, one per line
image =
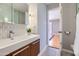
<point x="8" y="45"/>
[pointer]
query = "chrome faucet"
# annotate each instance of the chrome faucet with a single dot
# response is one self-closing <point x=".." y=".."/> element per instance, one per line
<point x="11" y="33"/>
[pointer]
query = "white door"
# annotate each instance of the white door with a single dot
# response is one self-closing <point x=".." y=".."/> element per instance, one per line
<point x="55" y="26"/>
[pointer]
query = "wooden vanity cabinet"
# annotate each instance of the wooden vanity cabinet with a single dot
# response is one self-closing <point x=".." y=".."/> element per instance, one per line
<point x="35" y="47"/>
<point x="31" y="49"/>
<point x="23" y="52"/>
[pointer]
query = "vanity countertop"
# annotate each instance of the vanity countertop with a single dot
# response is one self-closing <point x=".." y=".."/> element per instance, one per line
<point x="8" y="45"/>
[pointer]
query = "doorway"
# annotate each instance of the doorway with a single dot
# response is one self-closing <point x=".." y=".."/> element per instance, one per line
<point x="55" y="28"/>
<point x="54" y="40"/>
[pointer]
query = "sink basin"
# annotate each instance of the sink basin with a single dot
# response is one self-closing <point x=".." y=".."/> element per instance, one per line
<point x="8" y="42"/>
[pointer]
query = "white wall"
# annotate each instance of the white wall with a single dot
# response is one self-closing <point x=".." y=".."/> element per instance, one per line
<point x="33" y="17"/>
<point x="42" y="25"/>
<point x="54" y="14"/>
<point x="26" y="18"/>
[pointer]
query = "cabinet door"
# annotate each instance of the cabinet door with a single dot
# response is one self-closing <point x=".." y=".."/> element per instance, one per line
<point x="23" y="52"/>
<point x="35" y="46"/>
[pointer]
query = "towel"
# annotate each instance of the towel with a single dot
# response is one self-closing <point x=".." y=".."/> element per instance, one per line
<point x="76" y="42"/>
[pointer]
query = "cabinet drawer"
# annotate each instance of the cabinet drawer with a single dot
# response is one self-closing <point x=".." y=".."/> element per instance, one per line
<point x="19" y="51"/>
<point x="23" y="52"/>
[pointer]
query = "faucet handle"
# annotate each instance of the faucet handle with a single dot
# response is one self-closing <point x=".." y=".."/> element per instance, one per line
<point x="11" y="34"/>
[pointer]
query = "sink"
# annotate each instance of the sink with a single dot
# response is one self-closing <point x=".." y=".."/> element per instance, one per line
<point x="8" y="45"/>
<point x="8" y="42"/>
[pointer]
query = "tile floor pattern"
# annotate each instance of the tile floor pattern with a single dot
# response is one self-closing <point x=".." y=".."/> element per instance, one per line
<point x="55" y="52"/>
<point x="51" y="52"/>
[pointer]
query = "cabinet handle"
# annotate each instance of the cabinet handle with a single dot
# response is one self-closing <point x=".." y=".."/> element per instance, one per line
<point x="35" y="42"/>
<point x="20" y="51"/>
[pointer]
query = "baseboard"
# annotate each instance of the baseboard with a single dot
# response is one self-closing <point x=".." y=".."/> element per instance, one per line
<point x="68" y="51"/>
<point x="41" y="52"/>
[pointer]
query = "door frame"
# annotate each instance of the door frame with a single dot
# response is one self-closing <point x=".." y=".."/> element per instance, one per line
<point x="61" y="27"/>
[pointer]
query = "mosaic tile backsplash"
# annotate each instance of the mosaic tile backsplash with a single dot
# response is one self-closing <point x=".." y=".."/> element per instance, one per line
<point x="18" y="29"/>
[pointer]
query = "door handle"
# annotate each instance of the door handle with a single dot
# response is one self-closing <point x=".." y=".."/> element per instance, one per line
<point x="66" y="32"/>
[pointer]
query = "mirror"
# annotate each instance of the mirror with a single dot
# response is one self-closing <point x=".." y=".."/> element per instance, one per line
<point x="20" y="13"/>
<point x="6" y="13"/>
<point x="16" y="13"/>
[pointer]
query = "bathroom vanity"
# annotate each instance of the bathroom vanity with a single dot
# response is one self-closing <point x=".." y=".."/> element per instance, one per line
<point x="31" y="49"/>
<point x="26" y="45"/>
<point x="13" y="39"/>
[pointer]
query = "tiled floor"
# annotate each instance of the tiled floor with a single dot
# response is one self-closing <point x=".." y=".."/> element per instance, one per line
<point x="51" y="52"/>
<point x="53" y="49"/>
<point x="55" y="52"/>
